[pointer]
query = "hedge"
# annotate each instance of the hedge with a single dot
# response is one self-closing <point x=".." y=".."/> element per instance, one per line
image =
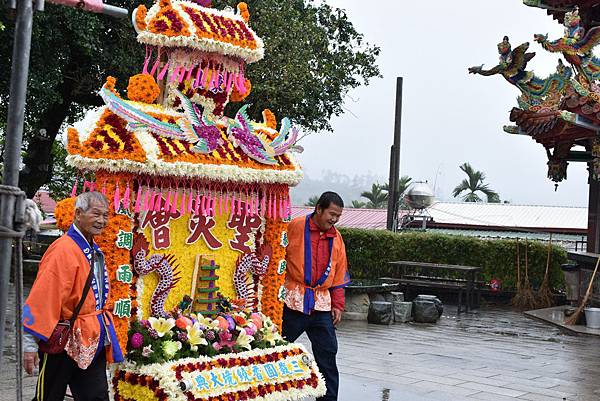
<point x="369" y="252"/>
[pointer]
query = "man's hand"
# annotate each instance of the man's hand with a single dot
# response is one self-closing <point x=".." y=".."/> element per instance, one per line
<point x="336" y="315"/>
<point x="30" y="361"/>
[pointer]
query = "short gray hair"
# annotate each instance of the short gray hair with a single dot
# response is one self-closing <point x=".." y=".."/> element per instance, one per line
<point x="86" y="199"/>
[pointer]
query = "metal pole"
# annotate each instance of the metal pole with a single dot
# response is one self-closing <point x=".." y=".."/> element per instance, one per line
<point x="393" y="195"/>
<point x="13" y="142"/>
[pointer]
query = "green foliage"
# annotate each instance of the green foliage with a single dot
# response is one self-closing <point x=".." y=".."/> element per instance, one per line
<point x="356" y="204"/>
<point x="472" y="184"/>
<point x="312" y="201"/>
<point x="369" y="252"/>
<point x="313" y="57"/>
<point x="376" y="198"/>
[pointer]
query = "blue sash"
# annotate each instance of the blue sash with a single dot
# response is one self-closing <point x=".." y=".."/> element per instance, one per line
<point x="309" y="291"/>
<point x="85" y="248"/>
<point x="107" y="328"/>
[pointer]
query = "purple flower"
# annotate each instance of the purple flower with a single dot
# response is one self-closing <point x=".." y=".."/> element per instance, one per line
<point x="145" y="323"/>
<point x="137" y="340"/>
<point x="210" y="335"/>
<point x="181" y="336"/>
<point x="153" y="333"/>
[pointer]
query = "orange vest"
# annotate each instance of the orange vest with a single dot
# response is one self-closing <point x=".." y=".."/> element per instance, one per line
<point x="54" y="295"/>
<point x="300" y="294"/>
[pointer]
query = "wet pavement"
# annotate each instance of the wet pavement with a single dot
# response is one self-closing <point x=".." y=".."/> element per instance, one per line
<point x="491" y="354"/>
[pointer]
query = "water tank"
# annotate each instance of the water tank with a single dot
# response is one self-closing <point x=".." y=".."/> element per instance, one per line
<point x="419" y="196"/>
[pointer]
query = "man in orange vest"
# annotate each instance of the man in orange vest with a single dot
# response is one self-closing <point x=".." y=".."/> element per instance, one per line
<point x="317" y="273"/>
<point x="64" y="270"/>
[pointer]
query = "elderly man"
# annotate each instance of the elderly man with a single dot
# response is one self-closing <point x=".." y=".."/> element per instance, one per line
<point x="56" y="292"/>
<point x="316" y="276"/>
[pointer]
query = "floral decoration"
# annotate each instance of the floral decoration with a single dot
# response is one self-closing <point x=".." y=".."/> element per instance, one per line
<point x="203" y="336"/>
<point x="236" y="96"/>
<point x="64" y="213"/>
<point x="143" y="88"/>
<point x="271" y="305"/>
<point x="187" y="24"/>
<point x="181" y="380"/>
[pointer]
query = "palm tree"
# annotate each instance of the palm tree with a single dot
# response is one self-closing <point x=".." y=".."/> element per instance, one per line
<point x="377" y="197"/>
<point x="472" y="184"/>
<point x="312" y="201"/>
<point x="403" y="185"/>
<point x="356" y="204"/>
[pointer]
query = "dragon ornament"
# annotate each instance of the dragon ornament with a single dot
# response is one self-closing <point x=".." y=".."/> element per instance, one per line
<point x="576" y="46"/>
<point x="163" y="265"/>
<point x="537" y="94"/>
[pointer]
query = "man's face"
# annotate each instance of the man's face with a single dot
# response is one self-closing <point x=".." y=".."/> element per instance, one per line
<point x="326" y="218"/>
<point x="92" y="221"/>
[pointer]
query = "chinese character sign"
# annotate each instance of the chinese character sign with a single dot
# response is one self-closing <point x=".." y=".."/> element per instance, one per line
<point x="200" y="227"/>
<point x="159" y="223"/>
<point x="124" y="274"/>
<point x="245" y="229"/>
<point x="226" y="379"/>
<point x="122" y="308"/>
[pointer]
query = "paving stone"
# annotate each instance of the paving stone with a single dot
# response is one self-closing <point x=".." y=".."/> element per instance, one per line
<point x="493" y="389"/>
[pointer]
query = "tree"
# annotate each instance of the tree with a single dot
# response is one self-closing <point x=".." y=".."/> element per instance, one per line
<point x="403" y="185"/>
<point x="377" y="197"/>
<point x="314" y="57"/>
<point x="356" y="204"/>
<point x="312" y="201"/>
<point x="472" y="184"/>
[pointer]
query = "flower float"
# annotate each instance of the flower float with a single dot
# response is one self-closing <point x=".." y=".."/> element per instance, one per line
<point x="199" y="204"/>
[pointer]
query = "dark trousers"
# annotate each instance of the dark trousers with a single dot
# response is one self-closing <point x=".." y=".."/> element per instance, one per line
<point x="321" y="333"/>
<point x="58" y="370"/>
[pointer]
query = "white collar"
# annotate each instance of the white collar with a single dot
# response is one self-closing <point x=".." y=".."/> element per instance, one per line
<point x="80" y="233"/>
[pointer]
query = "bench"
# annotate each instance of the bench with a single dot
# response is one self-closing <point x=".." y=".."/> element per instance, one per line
<point x="456" y="278"/>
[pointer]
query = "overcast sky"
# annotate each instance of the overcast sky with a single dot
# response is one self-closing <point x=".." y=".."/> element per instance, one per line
<point x="449" y="116"/>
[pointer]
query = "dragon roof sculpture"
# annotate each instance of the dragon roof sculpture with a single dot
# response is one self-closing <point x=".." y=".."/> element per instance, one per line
<point x="562" y="110"/>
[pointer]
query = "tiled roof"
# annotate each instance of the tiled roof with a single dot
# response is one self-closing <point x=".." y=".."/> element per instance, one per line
<point x="509" y="216"/>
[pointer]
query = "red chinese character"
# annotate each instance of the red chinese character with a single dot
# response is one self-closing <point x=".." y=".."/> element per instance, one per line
<point x="159" y="223"/>
<point x="244" y="227"/>
<point x="200" y="226"/>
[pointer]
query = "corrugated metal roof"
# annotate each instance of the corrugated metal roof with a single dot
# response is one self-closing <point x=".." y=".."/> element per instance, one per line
<point x="353" y="218"/>
<point x="509" y="216"/>
<point x="463" y="214"/>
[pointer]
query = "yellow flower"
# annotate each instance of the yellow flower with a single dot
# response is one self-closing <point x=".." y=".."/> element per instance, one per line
<point x="271" y="335"/>
<point x="196" y="335"/>
<point x="208" y="322"/>
<point x="162" y="325"/>
<point x="244" y="340"/>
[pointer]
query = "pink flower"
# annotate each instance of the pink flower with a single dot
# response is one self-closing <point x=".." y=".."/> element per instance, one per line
<point x="137" y="340"/>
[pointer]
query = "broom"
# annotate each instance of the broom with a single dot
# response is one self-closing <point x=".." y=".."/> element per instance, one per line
<point x="544" y="294"/>
<point x="575" y="316"/>
<point x="516" y="301"/>
<point x="527" y="299"/>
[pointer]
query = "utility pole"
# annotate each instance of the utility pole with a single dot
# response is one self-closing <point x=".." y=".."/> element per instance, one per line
<point x="394" y="179"/>
<point x="12" y="147"/>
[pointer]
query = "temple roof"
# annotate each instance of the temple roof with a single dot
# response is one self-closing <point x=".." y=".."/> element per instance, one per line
<point x="103" y="141"/>
<point x="185" y="24"/>
<point x="558" y="8"/>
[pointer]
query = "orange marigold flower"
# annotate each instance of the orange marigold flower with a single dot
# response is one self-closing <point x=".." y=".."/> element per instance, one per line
<point x="269" y="119"/>
<point x="64" y="212"/>
<point x="143" y="88"/>
<point x="243" y="10"/>
<point x="237" y="96"/>
<point x="140" y="17"/>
